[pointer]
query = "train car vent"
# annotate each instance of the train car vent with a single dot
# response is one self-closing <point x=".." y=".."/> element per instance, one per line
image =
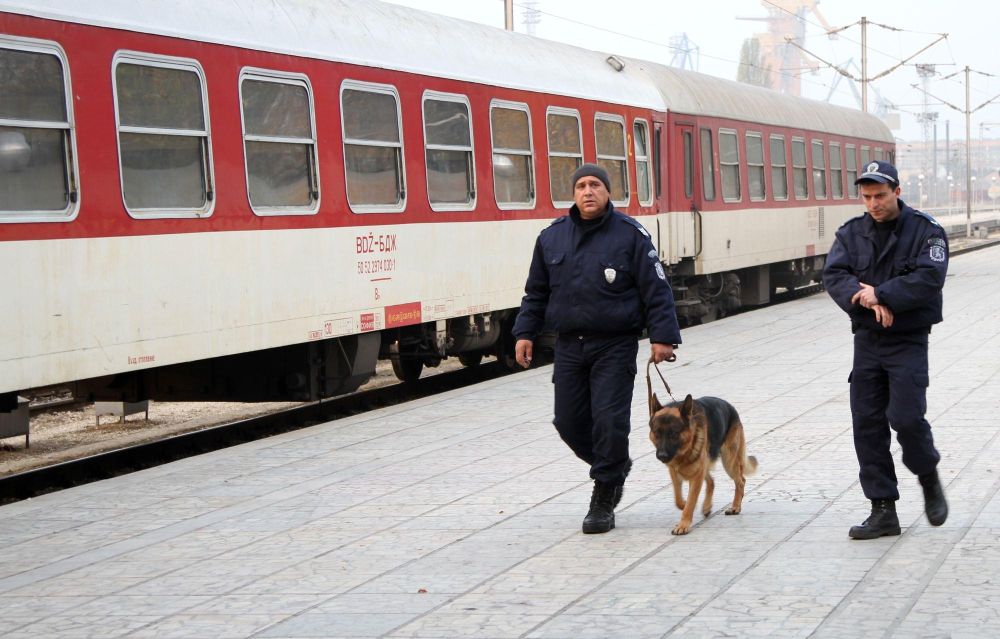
<point x="822" y="222"/>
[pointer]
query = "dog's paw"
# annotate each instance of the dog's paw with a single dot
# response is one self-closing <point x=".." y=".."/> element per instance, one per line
<point x="682" y="528"/>
<point x="732" y="511"/>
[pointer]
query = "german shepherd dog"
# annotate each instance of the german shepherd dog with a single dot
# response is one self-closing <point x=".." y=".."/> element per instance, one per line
<point x="689" y="437"/>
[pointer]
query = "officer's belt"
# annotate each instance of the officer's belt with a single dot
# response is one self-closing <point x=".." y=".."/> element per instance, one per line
<point x="858" y="326"/>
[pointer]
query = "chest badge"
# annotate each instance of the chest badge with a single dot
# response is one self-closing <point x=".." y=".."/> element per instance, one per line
<point x="610" y="274"/>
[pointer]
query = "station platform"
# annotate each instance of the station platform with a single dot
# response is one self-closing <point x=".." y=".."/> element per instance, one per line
<point x="459" y="515"/>
<point x="958" y="222"/>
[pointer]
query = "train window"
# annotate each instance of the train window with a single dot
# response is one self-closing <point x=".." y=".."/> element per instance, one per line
<point x="866" y="156"/>
<point x="37" y="168"/>
<point x="851" y="169"/>
<point x="729" y="165"/>
<point x="755" y="166"/>
<point x="819" y="170"/>
<point x="658" y="159"/>
<point x="513" y="157"/>
<point x="451" y="173"/>
<point x="800" y="174"/>
<point x="643" y="175"/>
<point x="279" y="143"/>
<point x="779" y="167"/>
<point x="612" y="154"/>
<point x="707" y="165"/>
<point x="163" y="136"/>
<point x="688" y="164"/>
<point x="565" y="152"/>
<point x="836" y="172"/>
<point x="878" y="153"/>
<point x="373" y="147"/>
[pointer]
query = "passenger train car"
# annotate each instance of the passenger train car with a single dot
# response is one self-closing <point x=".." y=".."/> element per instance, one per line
<point x="258" y="199"/>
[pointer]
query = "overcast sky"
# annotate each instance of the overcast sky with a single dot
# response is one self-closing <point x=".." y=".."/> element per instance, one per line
<point x="643" y="29"/>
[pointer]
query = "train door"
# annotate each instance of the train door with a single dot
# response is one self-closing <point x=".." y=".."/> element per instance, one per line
<point x="684" y="214"/>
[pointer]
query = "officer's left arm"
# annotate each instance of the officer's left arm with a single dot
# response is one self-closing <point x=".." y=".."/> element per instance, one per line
<point x="925" y="278"/>
<point x="657" y="298"/>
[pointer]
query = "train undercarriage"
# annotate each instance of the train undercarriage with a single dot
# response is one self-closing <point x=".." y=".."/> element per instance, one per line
<point x="705" y="298"/>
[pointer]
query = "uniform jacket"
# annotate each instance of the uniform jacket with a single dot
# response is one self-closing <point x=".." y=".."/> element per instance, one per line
<point x="603" y="279"/>
<point x="908" y="275"/>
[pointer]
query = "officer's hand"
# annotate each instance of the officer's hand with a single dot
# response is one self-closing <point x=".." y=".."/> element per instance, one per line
<point x="866" y="296"/>
<point x="522" y="352"/>
<point x="661" y="353"/>
<point x="883" y="315"/>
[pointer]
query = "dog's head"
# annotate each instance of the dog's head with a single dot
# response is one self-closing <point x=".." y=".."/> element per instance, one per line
<point x="670" y="428"/>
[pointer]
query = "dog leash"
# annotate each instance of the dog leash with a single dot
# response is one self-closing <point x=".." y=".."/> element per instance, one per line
<point x="649" y="384"/>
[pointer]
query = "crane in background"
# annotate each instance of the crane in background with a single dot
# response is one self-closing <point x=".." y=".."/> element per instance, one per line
<point x="786" y="19"/>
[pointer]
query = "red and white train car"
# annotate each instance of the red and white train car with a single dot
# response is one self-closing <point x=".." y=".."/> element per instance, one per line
<point x="256" y="199"/>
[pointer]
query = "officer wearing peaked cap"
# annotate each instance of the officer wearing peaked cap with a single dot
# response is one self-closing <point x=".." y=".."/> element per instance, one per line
<point x="886" y="269"/>
<point x="595" y="279"/>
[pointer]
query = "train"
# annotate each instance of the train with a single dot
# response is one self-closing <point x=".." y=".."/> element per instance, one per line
<point x="259" y="200"/>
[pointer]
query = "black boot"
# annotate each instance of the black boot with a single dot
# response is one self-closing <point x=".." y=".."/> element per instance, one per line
<point x="620" y="490"/>
<point x="883" y="521"/>
<point x="601" y="517"/>
<point x="935" y="506"/>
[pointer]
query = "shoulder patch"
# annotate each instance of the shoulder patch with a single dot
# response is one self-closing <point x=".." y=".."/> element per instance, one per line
<point x="927" y="217"/>
<point x="937" y="241"/>
<point x="636" y="224"/>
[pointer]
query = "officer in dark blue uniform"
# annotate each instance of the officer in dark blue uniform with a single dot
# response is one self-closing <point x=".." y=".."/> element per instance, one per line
<point x="886" y="269"/>
<point x="596" y="281"/>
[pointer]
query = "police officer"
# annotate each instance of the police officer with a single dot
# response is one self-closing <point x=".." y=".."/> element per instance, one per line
<point x="596" y="281"/>
<point x="886" y="269"/>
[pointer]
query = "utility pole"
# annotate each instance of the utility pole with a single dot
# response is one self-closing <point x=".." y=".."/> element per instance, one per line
<point x="864" y="64"/>
<point x="968" y="111"/>
<point x="968" y="158"/>
<point x="935" y="191"/>
<point x="864" y="80"/>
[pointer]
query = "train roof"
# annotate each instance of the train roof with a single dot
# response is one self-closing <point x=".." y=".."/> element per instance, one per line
<point x="689" y="92"/>
<point x="373" y="33"/>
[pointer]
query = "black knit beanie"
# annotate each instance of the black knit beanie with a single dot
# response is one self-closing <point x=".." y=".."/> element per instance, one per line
<point x="592" y="170"/>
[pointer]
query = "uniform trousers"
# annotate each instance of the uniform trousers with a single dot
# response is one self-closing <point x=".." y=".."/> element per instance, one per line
<point x="594" y="376"/>
<point x="888" y="390"/>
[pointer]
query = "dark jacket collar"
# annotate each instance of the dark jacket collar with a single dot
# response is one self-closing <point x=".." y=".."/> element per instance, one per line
<point x="574" y="214"/>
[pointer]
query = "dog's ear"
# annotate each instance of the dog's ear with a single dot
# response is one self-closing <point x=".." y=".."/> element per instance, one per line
<point x="688" y="405"/>
<point x="655" y="406"/>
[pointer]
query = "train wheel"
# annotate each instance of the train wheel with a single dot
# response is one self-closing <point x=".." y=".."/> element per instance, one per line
<point x="711" y="313"/>
<point x="406" y="364"/>
<point x="471" y="359"/>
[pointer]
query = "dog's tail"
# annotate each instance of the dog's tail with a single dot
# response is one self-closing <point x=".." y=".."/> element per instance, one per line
<point x="750" y="466"/>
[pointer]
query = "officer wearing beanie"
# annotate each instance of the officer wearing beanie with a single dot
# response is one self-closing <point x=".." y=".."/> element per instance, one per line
<point x="886" y="269"/>
<point x="596" y="281"/>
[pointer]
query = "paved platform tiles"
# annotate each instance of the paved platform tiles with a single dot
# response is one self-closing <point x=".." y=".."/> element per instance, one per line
<point x="459" y="515"/>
